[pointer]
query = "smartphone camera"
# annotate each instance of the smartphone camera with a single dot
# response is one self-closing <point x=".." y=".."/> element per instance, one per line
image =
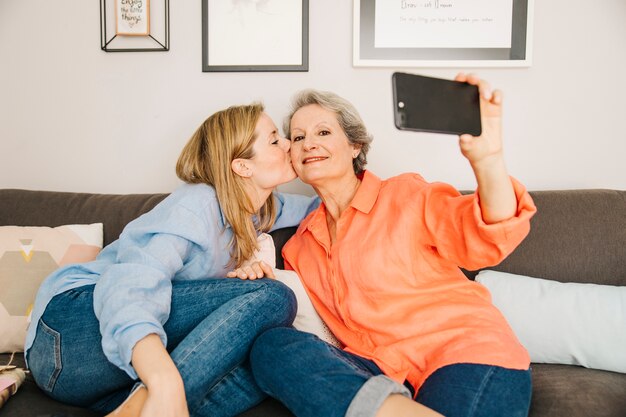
<point x="400" y="114"/>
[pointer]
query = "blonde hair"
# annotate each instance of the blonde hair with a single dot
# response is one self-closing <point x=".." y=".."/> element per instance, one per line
<point x="207" y="157"/>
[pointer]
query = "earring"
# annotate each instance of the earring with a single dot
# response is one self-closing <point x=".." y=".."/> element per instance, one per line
<point x="244" y="170"/>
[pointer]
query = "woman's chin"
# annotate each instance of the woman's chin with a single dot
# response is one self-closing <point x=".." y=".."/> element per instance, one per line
<point x="310" y="178"/>
<point x="288" y="178"/>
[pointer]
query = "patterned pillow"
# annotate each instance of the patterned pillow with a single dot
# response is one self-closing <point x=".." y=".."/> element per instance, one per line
<point x="27" y="256"/>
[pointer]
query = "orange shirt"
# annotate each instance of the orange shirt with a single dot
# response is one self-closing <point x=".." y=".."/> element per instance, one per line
<point x="390" y="287"/>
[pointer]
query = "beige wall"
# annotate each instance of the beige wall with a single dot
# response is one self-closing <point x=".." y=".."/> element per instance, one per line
<point x="74" y="118"/>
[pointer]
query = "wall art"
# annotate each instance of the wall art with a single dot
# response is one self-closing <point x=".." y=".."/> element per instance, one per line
<point x="442" y="33"/>
<point x="255" y="35"/>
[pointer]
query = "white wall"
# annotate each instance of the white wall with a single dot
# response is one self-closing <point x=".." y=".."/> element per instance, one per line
<point x="74" y="118"/>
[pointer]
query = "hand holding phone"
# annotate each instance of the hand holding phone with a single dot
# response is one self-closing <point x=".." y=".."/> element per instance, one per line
<point x="428" y="104"/>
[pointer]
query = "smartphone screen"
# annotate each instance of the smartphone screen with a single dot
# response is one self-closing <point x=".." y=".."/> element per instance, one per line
<point x="427" y="104"/>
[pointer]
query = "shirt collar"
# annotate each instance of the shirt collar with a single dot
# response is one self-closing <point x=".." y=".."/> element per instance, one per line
<point x="367" y="193"/>
<point x="363" y="201"/>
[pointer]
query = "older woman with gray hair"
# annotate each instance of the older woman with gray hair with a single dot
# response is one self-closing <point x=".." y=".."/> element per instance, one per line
<point x="380" y="261"/>
<point x="347" y="116"/>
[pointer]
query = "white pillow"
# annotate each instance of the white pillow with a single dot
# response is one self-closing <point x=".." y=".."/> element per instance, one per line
<point x="565" y="323"/>
<point x="307" y="319"/>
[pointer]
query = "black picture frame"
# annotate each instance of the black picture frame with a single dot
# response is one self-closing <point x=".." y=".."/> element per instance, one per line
<point x="226" y="50"/>
<point x="366" y="54"/>
<point x="157" y="40"/>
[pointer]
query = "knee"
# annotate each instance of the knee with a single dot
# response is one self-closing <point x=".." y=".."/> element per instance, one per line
<point x="281" y="300"/>
<point x="268" y="355"/>
<point x="271" y="341"/>
<point x="280" y="344"/>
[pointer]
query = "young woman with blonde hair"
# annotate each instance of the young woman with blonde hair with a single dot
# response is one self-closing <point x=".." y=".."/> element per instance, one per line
<point x="152" y="311"/>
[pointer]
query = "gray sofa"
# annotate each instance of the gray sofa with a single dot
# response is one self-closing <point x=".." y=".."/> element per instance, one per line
<point x="576" y="236"/>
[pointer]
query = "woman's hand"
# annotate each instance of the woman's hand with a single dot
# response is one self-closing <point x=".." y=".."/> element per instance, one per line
<point x="488" y="146"/>
<point x="497" y="196"/>
<point x="252" y="270"/>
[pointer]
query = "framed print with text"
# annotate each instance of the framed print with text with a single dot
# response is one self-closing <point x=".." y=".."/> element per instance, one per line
<point x="255" y="35"/>
<point x="134" y="25"/>
<point x="132" y="17"/>
<point x="442" y="33"/>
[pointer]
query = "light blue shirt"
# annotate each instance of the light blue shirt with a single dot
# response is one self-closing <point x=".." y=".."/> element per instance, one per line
<point x="184" y="237"/>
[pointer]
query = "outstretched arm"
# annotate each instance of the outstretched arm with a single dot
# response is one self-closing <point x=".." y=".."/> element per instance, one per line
<point x="485" y="155"/>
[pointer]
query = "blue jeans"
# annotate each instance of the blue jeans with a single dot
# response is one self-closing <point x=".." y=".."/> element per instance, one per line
<point x="210" y="331"/>
<point x="313" y="378"/>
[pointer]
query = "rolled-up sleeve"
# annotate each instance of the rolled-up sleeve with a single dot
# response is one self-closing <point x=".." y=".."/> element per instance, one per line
<point x="460" y="234"/>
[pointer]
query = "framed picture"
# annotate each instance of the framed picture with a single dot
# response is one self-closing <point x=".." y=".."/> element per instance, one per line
<point x="134" y="25"/>
<point x="132" y="17"/>
<point x="255" y="35"/>
<point x="442" y="33"/>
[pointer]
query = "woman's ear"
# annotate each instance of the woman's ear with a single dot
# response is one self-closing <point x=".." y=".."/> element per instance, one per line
<point x="241" y="168"/>
<point x="356" y="150"/>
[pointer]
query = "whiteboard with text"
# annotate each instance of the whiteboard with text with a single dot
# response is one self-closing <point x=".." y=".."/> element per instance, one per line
<point x="443" y="33"/>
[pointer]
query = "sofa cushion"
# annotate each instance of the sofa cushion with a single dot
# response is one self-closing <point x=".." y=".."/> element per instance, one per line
<point x="32" y="401"/>
<point x="564" y="323"/>
<point x="27" y="256"/>
<point x="575" y="236"/>
<point x="574" y="391"/>
<point x="558" y="390"/>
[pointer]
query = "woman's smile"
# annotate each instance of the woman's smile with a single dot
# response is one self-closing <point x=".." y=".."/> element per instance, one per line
<point x="312" y="159"/>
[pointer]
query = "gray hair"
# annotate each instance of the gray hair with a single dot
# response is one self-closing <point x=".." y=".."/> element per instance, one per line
<point x="347" y="116"/>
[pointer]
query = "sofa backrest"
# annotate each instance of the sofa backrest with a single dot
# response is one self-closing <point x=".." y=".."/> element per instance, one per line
<point x="51" y="208"/>
<point x="576" y="235"/>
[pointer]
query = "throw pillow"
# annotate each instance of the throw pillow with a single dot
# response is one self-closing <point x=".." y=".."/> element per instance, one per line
<point x="307" y="319"/>
<point x="564" y="323"/>
<point x="27" y="256"/>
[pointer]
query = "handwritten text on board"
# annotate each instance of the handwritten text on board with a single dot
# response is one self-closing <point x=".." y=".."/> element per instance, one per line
<point x="443" y="23"/>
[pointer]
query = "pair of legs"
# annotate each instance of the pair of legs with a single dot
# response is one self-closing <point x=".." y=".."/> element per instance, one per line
<point x="313" y="378"/>
<point x="210" y="331"/>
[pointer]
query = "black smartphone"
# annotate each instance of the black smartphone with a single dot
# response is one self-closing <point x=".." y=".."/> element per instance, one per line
<point x="427" y="104"/>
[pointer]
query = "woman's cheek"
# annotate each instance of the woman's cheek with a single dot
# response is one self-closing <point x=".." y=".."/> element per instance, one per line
<point x="297" y="168"/>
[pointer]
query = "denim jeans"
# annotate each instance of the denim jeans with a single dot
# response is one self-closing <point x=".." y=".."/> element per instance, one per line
<point x="210" y="330"/>
<point x="313" y="378"/>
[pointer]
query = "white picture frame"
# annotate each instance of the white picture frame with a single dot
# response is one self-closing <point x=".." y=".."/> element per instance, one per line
<point x="255" y="35"/>
<point x="366" y="53"/>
